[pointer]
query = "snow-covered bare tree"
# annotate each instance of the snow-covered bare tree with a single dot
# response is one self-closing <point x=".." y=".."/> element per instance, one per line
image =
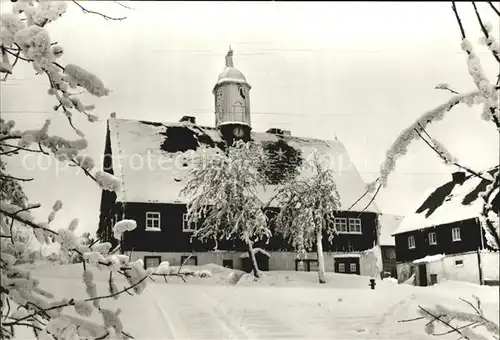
<point x="223" y="196"/>
<point x="25" y="38"/>
<point x="307" y="207"/>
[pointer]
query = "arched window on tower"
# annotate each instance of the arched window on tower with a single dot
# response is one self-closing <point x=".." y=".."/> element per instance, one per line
<point x="239" y="111"/>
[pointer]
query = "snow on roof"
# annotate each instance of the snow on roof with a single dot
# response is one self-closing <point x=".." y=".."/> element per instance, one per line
<point x="429" y="258"/>
<point x="255" y="251"/>
<point x="153" y="160"/>
<point x="450" y="203"/>
<point x="388" y="224"/>
<point x="347" y="255"/>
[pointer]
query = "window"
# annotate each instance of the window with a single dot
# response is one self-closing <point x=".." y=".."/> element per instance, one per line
<point x="300" y="266"/>
<point x="151" y="261"/>
<point x="340" y="224"/>
<point x="459" y="263"/>
<point x="153" y="220"/>
<point x="186" y="226"/>
<point x="355" y="226"/>
<point x="353" y="267"/>
<point x="313" y="266"/>
<point x="455" y="234"/>
<point x="227" y="263"/>
<point x="432" y="238"/>
<point x="341" y="268"/>
<point x="389" y="254"/>
<point x="306" y="265"/>
<point x="411" y="242"/>
<point x="190" y="260"/>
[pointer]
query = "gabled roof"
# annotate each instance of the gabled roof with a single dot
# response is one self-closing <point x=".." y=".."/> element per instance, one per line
<point x="388" y="225"/>
<point x="164" y="150"/>
<point x="451" y="202"/>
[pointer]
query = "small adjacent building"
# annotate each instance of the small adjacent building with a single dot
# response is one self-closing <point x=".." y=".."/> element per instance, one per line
<point x="153" y="160"/>
<point x="388" y="225"/>
<point x="443" y="238"/>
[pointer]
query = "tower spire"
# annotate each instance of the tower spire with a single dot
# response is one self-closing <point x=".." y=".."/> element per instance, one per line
<point x="229" y="58"/>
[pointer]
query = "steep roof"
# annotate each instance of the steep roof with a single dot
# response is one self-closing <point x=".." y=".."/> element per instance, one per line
<point x="152" y="159"/>
<point x="388" y="225"/>
<point x="451" y="202"/>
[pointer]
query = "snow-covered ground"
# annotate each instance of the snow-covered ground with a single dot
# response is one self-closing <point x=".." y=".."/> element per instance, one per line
<point x="281" y="305"/>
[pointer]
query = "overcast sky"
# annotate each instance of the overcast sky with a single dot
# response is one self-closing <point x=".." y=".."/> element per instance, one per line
<point x="358" y="71"/>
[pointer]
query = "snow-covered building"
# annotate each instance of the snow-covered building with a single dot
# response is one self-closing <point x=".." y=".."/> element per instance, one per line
<point x="388" y="224"/>
<point x="443" y="238"/>
<point x="153" y="161"/>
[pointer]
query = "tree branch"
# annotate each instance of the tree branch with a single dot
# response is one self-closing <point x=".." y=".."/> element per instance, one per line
<point x="86" y="11"/>
<point x="459" y="21"/>
<point x="8" y="177"/>
<point x="118" y="3"/>
<point x="29" y="223"/>
<point x="474" y="173"/>
<point x="485" y="31"/>
<point x="494" y="8"/>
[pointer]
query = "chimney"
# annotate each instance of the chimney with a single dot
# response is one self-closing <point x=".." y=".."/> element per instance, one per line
<point x="458" y="177"/>
<point x="189" y="119"/>
<point x="280" y="132"/>
<point x="113" y="115"/>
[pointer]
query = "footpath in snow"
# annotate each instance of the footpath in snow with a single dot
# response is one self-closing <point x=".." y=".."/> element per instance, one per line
<point x="283" y="305"/>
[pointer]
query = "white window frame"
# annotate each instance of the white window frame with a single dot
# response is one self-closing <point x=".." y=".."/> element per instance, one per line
<point x="411" y="242"/>
<point x="187" y="227"/>
<point x="153" y="217"/>
<point x="455" y="234"/>
<point x="356" y="226"/>
<point x="341" y="268"/>
<point x="460" y="264"/>
<point x="351" y="266"/>
<point x="340" y="222"/>
<point x="432" y="238"/>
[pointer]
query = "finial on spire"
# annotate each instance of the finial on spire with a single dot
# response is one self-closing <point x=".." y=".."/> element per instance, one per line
<point x="229" y="58"/>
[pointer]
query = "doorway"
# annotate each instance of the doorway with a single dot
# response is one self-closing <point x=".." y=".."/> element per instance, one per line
<point x="422" y="275"/>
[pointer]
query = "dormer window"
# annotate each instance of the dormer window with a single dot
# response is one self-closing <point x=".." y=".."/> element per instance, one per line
<point x="153" y="221"/>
